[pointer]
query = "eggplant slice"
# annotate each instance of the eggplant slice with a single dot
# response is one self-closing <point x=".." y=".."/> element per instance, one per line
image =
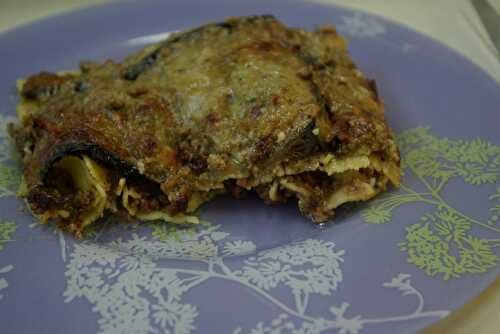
<point x="243" y="105"/>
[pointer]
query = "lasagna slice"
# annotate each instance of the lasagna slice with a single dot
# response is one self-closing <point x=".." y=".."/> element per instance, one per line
<point x="243" y="105"/>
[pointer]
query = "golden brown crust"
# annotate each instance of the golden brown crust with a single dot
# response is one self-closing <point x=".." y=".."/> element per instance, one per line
<point x="219" y="108"/>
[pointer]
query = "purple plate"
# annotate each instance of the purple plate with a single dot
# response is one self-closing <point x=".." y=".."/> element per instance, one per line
<point x="393" y="265"/>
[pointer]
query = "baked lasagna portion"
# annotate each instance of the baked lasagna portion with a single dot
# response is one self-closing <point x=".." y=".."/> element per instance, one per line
<point x="243" y="105"/>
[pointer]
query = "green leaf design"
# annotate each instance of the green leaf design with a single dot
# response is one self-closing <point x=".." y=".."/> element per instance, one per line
<point x="10" y="177"/>
<point x="380" y="211"/>
<point x="7" y="229"/>
<point x="476" y="161"/>
<point x="163" y="231"/>
<point x="376" y="215"/>
<point x="495" y="210"/>
<point x="444" y="243"/>
<point x="427" y="251"/>
<point x="476" y="174"/>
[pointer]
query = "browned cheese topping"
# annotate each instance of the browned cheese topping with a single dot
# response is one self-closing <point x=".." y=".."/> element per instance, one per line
<point x="247" y="104"/>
